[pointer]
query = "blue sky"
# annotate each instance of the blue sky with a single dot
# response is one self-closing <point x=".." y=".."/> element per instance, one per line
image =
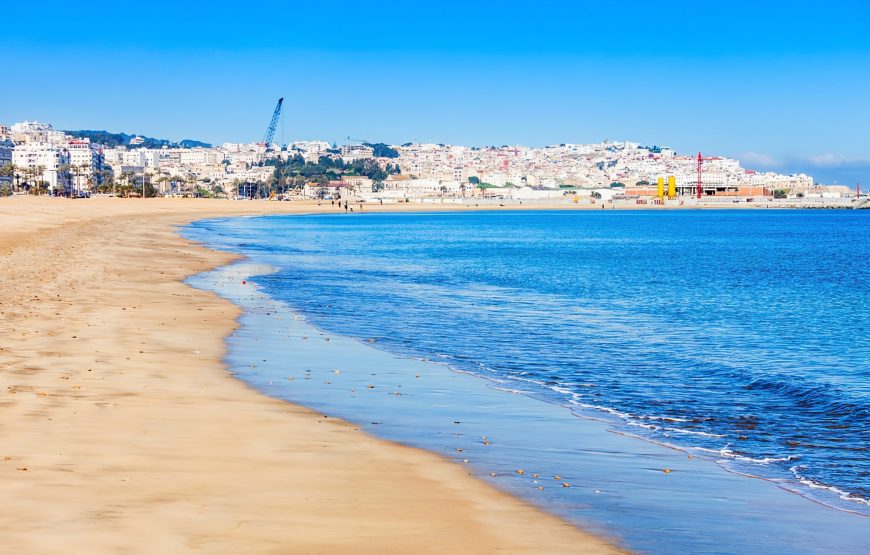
<point x="780" y="85"/>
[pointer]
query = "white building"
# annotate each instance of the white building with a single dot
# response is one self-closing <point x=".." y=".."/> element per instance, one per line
<point x="349" y="153"/>
<point x="310" y="150"/>
<point x="417" y="188"/>
<point x="36" y="132"/>
<point x="85" y="163"/>
<point x="152" y="157"/>
<point x="51" y="160"/>
<point x="359" y="183"/>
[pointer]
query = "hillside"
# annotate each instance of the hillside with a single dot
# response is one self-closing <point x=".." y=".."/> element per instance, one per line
<point x="122" y="139"/>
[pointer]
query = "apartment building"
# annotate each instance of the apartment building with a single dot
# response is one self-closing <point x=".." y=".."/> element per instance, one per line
<point x="349" y="153"/>
<point x="43" y="162"/>
<point x="36" y="132"/>
<point x="86" y="163"/>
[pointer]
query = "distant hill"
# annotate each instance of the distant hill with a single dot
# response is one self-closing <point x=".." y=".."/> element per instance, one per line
<point x="122" y="139"/>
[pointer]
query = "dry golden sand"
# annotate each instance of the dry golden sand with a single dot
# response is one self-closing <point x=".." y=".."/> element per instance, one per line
<point x="121" y="432"/>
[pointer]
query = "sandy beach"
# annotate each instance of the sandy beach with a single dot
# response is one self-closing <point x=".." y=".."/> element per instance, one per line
<point x="122" y="432"/>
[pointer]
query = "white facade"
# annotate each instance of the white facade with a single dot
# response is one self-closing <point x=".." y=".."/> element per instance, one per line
<point x="349" y="153"/>
<point x="36" y="132"/>
<point x="85" y="162"/>
<point x="310" y="150"/>
<point x="49" y="158"/>
<point x="423" y="187"/>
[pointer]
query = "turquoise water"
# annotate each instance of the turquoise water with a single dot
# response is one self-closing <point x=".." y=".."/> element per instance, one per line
<point x="739" y="337"/>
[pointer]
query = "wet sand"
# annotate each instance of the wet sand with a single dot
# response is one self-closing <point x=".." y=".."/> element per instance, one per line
<point x="121" y="430"/>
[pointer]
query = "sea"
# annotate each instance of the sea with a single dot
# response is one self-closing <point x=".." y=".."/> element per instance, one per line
<point x="700" y="380"/>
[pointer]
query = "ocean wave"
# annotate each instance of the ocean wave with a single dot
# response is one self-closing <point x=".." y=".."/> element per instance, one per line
<point x="728" y="453"/>
<point x="812" y="484"/>
<point x="692" y="432"/>
<point x="827" y="398"/>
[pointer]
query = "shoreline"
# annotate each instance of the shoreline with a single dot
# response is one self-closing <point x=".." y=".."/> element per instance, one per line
<point x="118" y="432"/>
<point x="630" y="465"/>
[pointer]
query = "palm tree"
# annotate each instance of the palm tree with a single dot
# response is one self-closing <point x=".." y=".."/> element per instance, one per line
<point x="163" y="180"/>
<point x="90" y="178"/>
<point x="62" y="176"/>
<point x="39" y="182"/>
<point x="107" y="178"/>
<point x="126" y="177"/>
<point x="28" y="174"/>
<point x="144" y="178"/>
<point x="80" y="171"/>
<point x="16" y="178"/>
<point x="190" y="180"/>
<point x="35" y="182"/>
<point x="8" y="170"/>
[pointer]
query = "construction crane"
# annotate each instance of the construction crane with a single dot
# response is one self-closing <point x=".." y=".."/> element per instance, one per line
<point x="363" y="141"/>
<point x="700" y="169"/>
<point x="270" y="131"/>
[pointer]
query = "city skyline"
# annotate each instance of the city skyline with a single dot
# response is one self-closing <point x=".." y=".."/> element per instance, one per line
<point x="723" y="80"/>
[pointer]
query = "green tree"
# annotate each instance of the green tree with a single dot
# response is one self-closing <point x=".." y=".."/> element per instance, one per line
<point x="7" y="170"/>
<point x="38" y="186"/>
<point x="382" y="150"/>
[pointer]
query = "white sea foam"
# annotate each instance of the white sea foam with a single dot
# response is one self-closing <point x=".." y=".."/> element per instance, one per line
<point x="726" y="452"/>
<point x="664" y="418"/>
<point x="812" y="484"/>
<point x="692" y="432"/>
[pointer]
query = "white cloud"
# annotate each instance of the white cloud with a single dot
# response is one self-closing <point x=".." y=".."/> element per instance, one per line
<point x="822" y="161"/>
<point x="759" y="159"/>
<point x="831" y="160"/>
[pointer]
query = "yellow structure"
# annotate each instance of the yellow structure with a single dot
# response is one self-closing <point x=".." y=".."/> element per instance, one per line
<point x="672" y="187"/>
<point x="661" y="191"/>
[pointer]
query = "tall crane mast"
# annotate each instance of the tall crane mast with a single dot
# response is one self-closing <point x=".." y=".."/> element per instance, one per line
<point x="270" y="131"/>
<point x="700" y="160"/>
